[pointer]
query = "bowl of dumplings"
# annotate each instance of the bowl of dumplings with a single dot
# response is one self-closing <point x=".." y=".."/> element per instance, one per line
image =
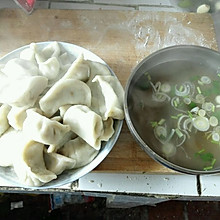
<point x="61" y="112"/>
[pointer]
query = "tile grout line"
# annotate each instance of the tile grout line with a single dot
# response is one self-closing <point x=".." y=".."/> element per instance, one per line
<point x="198" y="185"/>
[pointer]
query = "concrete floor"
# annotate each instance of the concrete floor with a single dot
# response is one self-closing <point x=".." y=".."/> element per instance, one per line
<point x="26" y="206"/>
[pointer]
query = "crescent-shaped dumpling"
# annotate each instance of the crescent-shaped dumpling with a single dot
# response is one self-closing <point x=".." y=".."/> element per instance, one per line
<point x="113" y="94"/>
<point x="16" y="117"/>
<point x="78" y="70"/>
<point x="4" y="125"/>
<point x="17" y="68"/>
<point x="80" y="151"/>
<point x="57" y="163"/>
<point x="50" y="68"/>
<point x="68" y="91"/>
<point x="85" y="123"/>
<point x="22" y="92"/>
<point x="42" y="129"/>
<point x="30" y="166"/>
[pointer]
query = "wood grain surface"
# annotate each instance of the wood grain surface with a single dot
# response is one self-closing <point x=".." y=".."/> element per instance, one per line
<point x="122" y="39"/>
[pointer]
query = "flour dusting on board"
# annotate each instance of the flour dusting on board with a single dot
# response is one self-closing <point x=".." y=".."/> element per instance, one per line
<point x="146" y="32"/>
<point x="149" y="36"/>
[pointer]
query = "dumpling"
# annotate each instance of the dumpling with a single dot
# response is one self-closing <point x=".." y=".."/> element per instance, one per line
<point x="78" y="70"/>
<point x="17" y="68"/>
<point x="65" y="61"/>
<point x="57" y="163"/>
<point x="51" y="50"/>
<point x="113" y="94"/>
<point x="68" y="91"/>
<point x="97" y="68"/>
<point x="50" y="68"/>
<point x="108" y="129"/>
<point x="9" y="145"/>
<point x="85" y="123"/>
<point x="4" y="125"/>
<point x="63" y="109"/>
<point x="80" y="151"/>
<point x="30" y="166"/>
<point x="54" y="147"/>
<point x="42" y="129"/>
<point x="16" y="117"/>
<point x="22" y="92"/>
<point x="28" y="54"/>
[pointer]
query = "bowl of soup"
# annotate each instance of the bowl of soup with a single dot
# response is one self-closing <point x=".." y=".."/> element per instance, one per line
<point x="172" y="108"/>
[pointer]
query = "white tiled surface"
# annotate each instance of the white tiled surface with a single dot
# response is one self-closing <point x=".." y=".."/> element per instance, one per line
<point x="134" y="2"/>
<point x="68" y="5"/>
<point x="143" y="5"/>
<point x="178" y="185"/>
<point x="210" y="185"/>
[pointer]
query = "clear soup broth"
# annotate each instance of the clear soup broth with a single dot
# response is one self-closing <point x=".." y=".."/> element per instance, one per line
<point x="177" y="114"/>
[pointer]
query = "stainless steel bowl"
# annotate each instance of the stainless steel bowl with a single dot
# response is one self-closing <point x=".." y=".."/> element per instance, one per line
<point x="169" y="61"/>
<point x="7" y="174"/>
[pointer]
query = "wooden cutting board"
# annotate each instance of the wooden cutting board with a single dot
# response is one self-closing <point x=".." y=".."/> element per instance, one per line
<point x="121" y="39"/>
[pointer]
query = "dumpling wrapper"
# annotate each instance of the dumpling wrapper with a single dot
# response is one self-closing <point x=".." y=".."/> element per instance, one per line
<point x="54" y="147"/>
<point x="16" y="117"/>
<point x="85" y="123"/>
<point x="28" y="54"/>
<point x="22" y="92"/>
<point x="80" y="151"/>
<point x="50" y="68"/>
<point x="19" y="68"/>
<point x="51" y="50"/>
<point x="63" y="109"/>
<point x="4" y="125"/>
<point x="30" y="166"/>
<point x="78" y="70"/>
<point x="108" y="129"/>
<point x="10" y="143"/>
<point x="57" y="163"/>
<point x="68" y="91"/>
<point x="42" y="129"/>
<point x="113" y="94"/>
<point x="97" y="68"/>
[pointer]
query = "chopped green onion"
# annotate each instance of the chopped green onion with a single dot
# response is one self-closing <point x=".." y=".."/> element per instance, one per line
<point x="201" y="112"/>
<point x="201" y="123"/>
<point x="161" y="121"/>
<point x="178" y="132"/>
<point x="190" y="114"/>
<point x="215" y="142"/>
<point x="175" y="103"/>
<point x="200" y="83"/>
<point x="165" y="87"/>
<point x="148" y="76"/>
<point x="209" y="135"/>
<point x="213" y="121"/>
<point x="215" y="137"/>
<point x="208" y="168"/>
<point x="201" y="151"/>
<point x="187" y="100"/>
<point x="205" y="80"/>
<point x="153" y="124"/>
<point x="174" y="117"/>
<point x="207" y="157"/>
<point x="213" y="161"/>
<point x="198" y="89"/>
<point x="181" y="88"/>
<point x="217" y="99"/>
<point x="213" y="108"/>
